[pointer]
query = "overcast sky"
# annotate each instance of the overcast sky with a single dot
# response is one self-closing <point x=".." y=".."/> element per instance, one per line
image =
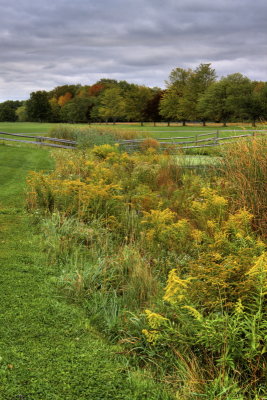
<point x="46" y="43"/>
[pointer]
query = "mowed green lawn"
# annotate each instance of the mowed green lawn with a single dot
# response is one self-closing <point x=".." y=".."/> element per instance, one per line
<point x="158" y="131"/>
<point x="48" y="349"/>
<point x="25" y="127"/>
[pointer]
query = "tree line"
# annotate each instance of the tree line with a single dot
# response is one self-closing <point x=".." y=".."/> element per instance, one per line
<point x="190" y="95"/>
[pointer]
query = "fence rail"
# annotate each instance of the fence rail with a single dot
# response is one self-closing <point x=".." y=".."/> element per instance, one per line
<point x="208" y="139"/>
<point x="197" y="140"/>
<point x="39" y="140"/>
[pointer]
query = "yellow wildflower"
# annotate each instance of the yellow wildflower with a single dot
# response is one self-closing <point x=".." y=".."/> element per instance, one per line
<point x="176" y="288"/>
<point x="155" y="320"/>
<point x="197" y="235"/>
<point x="151" y="336"/>
<point x="260" y="266"/>
<point x="211" y="224"/>
<point x="239" y="308"/>
<point x="196" y="314"/>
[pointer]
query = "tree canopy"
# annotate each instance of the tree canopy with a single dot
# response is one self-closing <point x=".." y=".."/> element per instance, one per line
<point x="190" y="95"/>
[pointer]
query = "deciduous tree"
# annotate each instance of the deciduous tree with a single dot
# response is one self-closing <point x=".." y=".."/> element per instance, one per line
<point x="136" y="103"/>
<point x="38" y="107"/>
<point x="111" y="104"/>
<point x="198" y="82"/>
<point x="77" y="110"/>
<point x="8" y="110"/>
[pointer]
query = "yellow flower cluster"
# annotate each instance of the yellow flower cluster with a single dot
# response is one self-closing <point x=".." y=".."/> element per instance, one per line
<point x="176" y="288"/>
<point x="260" y="267"/>
<point x="152" y="336"/>
<point x="155" y="320"/>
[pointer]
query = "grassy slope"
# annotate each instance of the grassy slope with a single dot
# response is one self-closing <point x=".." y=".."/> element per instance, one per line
<point x="47" y="348"/>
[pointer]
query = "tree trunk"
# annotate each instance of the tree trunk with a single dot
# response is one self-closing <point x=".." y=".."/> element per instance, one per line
<point x="224" y="123"/>
<point x="254" y="123"/>
<point x="142" y="124"/>
<point x="204" y="123"/>
<point x="184" y="123"/>
<point x="168" y="124"/>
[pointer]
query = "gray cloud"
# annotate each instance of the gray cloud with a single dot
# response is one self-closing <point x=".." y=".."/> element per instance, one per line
<point x="64" y="41"/>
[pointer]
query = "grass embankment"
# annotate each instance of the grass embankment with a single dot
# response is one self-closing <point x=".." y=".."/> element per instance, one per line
<point x="47" y="348"/>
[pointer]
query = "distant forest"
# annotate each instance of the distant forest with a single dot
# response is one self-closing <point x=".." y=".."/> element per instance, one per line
<point x="190" y="95"/>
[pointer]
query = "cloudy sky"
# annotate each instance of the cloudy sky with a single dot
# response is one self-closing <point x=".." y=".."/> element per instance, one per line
<point x="48" y="43"/>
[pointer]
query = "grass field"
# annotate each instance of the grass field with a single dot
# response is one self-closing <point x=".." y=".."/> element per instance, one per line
<point x="161" y="131"/>
<point x="48" y="350"/>
<point x="43" y="128"/>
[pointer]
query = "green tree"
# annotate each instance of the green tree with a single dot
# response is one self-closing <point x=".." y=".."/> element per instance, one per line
<point x="234" y="97"/>
<point x="198" y="82"/>
<point x="179" y="79"/>
<point x="238" y="96"/>
<point x="152" y="110"/>
<point x="21" y="113"/>
<point x="263" y="97"/>
<point x="77" y="110"/>
<point x="8" y="110"/>
<point x="111" y="104"/>
<point x="169" y="105"/>
<point x="55" y="110"/>
<point x="38" y="106"/>
<point x="255" y="102"/>
<point x="136" y="103"/>
<point x="172" y="102"/>
<point x="212" y="104"/>
<point x="107" y="83"/>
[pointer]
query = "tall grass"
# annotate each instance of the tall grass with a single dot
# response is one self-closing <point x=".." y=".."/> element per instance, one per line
<point x="91" y="136"/>
<point x="244" y="166"/>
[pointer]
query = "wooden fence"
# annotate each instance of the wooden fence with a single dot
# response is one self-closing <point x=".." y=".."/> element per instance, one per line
<point x="197" y="139"/>
<point x="39" y="140"/>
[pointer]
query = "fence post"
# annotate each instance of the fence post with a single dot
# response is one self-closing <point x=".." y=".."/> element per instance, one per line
<point x="39" y="140"/>
<point x="196" y="139"/>
<point x="216" y="136"/>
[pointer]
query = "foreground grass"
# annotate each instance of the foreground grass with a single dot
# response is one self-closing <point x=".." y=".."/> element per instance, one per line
<point x="48" y="349"/>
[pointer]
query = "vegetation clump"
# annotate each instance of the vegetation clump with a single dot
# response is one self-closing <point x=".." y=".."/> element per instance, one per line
<point x="165" y="260"/>
<point x="87" y="136"/>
